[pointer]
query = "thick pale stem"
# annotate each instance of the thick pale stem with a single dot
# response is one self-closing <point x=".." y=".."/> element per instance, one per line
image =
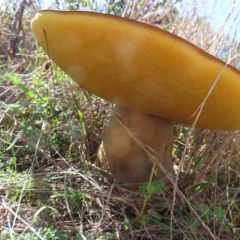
<point x="132" y="141"/>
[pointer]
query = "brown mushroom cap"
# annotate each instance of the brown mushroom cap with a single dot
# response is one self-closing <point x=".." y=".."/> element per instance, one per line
<point x="141" y="67"/>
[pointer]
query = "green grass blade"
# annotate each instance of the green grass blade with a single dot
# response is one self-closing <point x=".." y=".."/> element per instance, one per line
<point x="26" y="126"/>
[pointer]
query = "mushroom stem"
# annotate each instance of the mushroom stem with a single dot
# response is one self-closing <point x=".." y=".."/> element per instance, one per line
<point x="132" y="141"/>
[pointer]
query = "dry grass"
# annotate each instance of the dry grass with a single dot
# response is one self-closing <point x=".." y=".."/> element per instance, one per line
<point x="50" y="132"/>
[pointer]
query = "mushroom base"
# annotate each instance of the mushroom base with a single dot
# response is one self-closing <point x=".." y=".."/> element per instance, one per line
<point x="132" y="141"/>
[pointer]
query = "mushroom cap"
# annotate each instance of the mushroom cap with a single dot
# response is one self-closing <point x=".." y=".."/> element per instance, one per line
<point x="141" y="67"/>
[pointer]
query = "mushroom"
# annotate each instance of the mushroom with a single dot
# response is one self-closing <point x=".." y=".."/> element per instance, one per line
<point x="153" y="77"/>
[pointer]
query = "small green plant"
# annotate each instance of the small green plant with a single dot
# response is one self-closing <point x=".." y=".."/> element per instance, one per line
<point x="147" y="190"/>
<point x="218" y="213"/>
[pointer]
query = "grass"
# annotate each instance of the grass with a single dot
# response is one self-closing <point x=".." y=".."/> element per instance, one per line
<point x="50" y="130"/>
